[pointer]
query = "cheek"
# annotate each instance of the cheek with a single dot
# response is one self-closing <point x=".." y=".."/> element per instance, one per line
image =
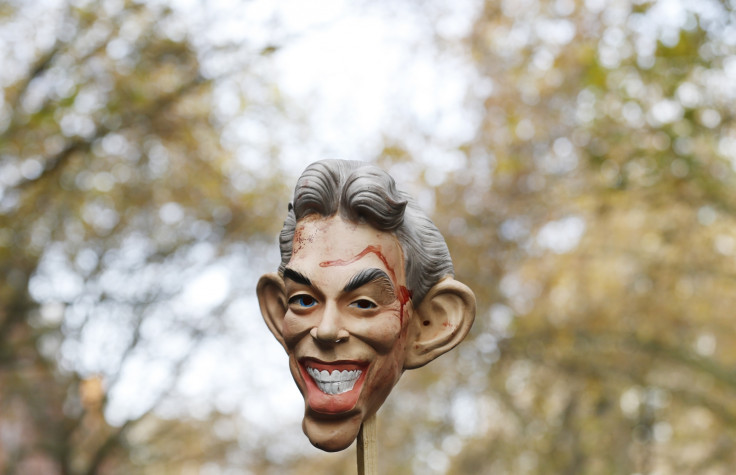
<point x="294" y="328"/>
<point x="382" y="333"/>
<point x="388" y="369"/>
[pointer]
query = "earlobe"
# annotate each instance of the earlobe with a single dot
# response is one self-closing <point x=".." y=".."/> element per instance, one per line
<point x="440" y="322"/>
<point x="272" y="300"/>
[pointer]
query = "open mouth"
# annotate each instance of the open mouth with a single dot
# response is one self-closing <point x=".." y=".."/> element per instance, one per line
<point x="335" y="382"/>
<point x="332" y="388"/>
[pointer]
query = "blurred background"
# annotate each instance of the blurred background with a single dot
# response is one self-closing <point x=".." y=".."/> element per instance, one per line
<point x="579" y="157"/>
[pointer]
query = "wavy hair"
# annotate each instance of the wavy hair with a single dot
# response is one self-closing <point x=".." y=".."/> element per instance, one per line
<point x="361" y="192"/>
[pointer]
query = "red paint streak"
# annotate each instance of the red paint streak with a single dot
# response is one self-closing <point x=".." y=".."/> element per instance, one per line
<point x="300" y="240"/>
<point x="297" y="242"/>
<point x="404" y="297"/>
<point x="404" y="293"/>
<point x="374" y="249"/>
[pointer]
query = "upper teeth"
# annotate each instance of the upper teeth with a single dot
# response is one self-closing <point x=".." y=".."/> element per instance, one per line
<point x="335" y="382"/>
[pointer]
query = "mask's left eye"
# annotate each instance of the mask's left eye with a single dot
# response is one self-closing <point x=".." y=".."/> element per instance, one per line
<point x="363" y="304"/>
<point x="303" y="300"/>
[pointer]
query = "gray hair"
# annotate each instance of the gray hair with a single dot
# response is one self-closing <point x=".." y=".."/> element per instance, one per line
<point x="362" y="192"/>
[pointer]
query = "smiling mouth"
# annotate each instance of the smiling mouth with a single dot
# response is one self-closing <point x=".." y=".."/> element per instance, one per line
<point x="332" y="389"/>
<point x="335" y="382"/>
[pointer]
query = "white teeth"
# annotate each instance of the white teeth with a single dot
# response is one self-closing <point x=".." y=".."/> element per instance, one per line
<point x="337" y="382"/>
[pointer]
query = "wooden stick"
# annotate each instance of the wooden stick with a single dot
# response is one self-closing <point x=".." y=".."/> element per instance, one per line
<point x="368" y="447"/>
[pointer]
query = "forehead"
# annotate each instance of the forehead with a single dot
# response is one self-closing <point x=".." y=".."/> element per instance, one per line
<point x="321" y="243"/>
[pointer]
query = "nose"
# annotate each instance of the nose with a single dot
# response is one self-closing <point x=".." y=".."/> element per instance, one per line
<point x="330" y="327"/>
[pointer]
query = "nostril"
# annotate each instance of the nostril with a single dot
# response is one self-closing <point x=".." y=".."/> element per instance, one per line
<point x="329" y="334"/>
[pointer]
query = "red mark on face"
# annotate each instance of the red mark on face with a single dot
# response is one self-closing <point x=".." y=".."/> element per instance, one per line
<point x="404" y="293"/>
<point x="300" y="240"/>
<point x="374" y="249"/>
<point x="404" y="297"/>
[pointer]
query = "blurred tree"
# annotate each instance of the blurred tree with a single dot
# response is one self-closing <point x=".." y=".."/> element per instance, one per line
<point x="595" y="220"/>
<point x="115" y="189"/>
<point x="593" y="216"/>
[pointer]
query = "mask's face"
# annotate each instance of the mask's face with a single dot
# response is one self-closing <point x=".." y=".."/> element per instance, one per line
<point x="344" y="315"/>
<point x="345" y="326"/>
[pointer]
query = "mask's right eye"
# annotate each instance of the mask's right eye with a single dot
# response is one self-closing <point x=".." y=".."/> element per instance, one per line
<point x="303" y="301"/>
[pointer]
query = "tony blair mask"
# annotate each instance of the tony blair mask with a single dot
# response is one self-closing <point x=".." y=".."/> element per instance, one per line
<point x="343" y="306"/>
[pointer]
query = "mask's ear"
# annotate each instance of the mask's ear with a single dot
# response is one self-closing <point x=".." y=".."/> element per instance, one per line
<point x="272" y="299"/>
<point x="440" y="322"/>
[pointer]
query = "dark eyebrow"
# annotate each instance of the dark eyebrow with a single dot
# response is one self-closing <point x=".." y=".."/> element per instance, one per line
<point x="297" y="277"/>
<point x="366" y="276"/>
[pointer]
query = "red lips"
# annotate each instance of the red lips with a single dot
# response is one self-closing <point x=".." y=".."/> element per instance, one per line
<point x="331" y="404"/>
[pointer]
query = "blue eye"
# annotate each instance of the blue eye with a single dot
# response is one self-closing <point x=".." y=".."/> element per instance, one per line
<point x="363" y="304"/>
<point x="305" y="301"/>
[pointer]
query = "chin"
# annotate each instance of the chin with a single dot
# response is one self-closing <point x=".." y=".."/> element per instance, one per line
<point x="332" y="435"/>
